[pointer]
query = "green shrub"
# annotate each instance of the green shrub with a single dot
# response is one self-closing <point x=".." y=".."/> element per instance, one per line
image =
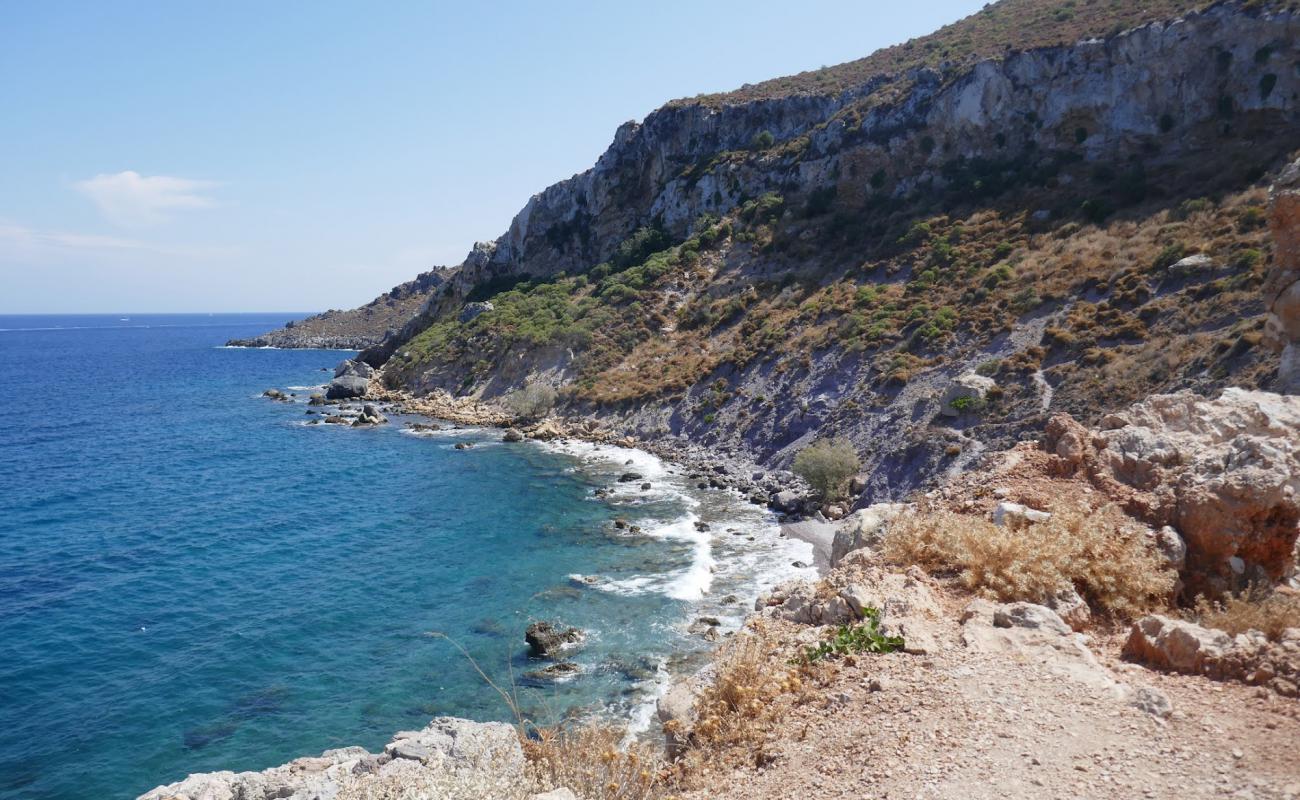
<point x="1169" y="255"/>
<point x="1247" y="259"/>
<point x="864" y="638"/>
<point x="534" y="401"/>
<point x="827" y="465"/>
<point x="762" y="140"/>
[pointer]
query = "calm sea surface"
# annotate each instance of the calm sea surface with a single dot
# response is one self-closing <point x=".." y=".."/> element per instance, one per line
<point x="192" y="578"/>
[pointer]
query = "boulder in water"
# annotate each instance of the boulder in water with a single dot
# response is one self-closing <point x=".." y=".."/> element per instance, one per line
<point x="546" y="640"/>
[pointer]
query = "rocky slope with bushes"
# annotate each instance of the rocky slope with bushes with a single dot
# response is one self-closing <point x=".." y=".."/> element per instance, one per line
<point x="925" y="252"/>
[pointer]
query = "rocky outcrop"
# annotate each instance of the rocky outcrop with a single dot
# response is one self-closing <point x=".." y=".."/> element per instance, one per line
<point x="1035" y="632"/>
<point x="351" y="379"/>
<point x="1224" y="473"/>
<point x="1282" y="285"/>
<point x="1186" y="647"/>
<point x="451" y="757"/>
<point x="864" y="528"/>
<point x="546" y="640"/>
<point x="966" y="394"/>
<point x="357" y="328"/>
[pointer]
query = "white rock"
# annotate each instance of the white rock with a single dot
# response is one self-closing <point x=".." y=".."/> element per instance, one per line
<point x="1015" y="515"/>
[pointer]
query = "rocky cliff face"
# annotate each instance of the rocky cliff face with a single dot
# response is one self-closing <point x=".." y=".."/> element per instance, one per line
<point x="1064" y="224"/>
<point x="1118" y="95"/>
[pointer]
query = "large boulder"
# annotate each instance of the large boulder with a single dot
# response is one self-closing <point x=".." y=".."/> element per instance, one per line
<point x="472" y="311"/>
<point x="1181" y="646"/>
<point x="967" y="393"/>
<point x="351" y="379"/>
<point x="864" y="528"/>
<point x="1282" y="284"/>
<point x="1224" y="473"/>
<point x="1177" y="645"/>
<point x="546" y="640"/>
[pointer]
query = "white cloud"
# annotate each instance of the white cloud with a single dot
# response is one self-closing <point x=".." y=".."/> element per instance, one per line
<point x="133" y="200"/>
<point x="17" y="241"/>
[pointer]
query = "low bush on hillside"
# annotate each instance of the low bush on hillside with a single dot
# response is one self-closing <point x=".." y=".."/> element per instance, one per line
<point x="827" y="465"/>
<point x="1102" y="554"/>
<point x="534" y="401"/>
<point x="1256" y="609"/>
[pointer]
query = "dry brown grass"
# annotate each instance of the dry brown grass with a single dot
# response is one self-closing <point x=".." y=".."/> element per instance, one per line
<point x="737" y="714"/>
<point x="594" y="763"/>
<point x="1102" y="554"/>
<point x="1269" y="612"/>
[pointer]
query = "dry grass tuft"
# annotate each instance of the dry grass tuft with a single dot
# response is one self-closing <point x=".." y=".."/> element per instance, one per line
<point x="754" y="687"/>
<point x="1103" y="554"/>
<point x="1260" y="610"/>
<point x="592" y="761"/>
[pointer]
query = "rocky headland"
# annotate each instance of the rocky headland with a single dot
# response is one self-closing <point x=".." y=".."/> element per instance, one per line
<point x="1045" y="293"/>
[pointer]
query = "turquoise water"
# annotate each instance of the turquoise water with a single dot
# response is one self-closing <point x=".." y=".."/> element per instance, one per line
<point x="193" y="579"/>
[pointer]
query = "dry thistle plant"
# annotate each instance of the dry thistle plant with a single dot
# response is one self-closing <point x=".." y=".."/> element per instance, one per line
<point x="1268" y="612"/>
<point x="1103" y="554"/>
<point x="755" y="685"/>
<point x="592" y="761"/>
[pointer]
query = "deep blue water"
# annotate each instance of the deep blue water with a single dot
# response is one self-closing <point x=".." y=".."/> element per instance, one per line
<point x="193" y="579"/>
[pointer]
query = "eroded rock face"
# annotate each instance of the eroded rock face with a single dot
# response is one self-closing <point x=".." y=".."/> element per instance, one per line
<point x="1282" y="285"/>
<point x="351" y="379"/>
<point x="864" y="528"/>
<point x="1224" y="473"/>
<point x="447" y="754"/>
<point x="1181" y="646"/>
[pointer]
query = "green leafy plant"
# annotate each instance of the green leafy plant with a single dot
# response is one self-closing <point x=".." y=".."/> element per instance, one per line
<point x="827" y="465"/>
<point x="865" y="637"/>
<point x="964" y="403"/>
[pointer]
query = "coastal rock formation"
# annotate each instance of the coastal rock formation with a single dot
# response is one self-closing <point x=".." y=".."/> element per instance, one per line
<point x="1282" y="286"/>
<point x="1224" y="473"/>
<point x="358" y="328"/>
<point x="452" y="755"/>
<point x="1181" y="646"/>
<point x="546" y="640"/>
<point x="864" y="528"/>
<point x="351" y="379"/>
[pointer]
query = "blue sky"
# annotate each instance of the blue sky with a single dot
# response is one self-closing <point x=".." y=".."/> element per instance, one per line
<point x="252" y="156"/>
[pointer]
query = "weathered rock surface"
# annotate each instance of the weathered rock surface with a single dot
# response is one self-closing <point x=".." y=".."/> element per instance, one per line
<point x="1036" y="633"/>
<point x="351" y="379"/>
<point x="546" y="640"/>
<point x="864" y="528"/>
<point x="1181" y="646"/>
<point x="967" y="393"/>
<point x="1224" y="473"/>
<point x="448" y="753"/>
<point x="1282" y="284"/>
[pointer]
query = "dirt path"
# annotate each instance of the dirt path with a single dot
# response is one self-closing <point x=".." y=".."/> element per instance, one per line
<point x="974" y="720"/>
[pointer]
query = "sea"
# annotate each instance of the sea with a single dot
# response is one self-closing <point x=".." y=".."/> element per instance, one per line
<point x="193" y="577"/>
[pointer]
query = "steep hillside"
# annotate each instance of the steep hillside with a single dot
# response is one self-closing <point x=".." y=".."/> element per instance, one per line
<point x="1037" y="208"/>
<point x="358" y="328"/>
<point x="1076" y="226"/>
